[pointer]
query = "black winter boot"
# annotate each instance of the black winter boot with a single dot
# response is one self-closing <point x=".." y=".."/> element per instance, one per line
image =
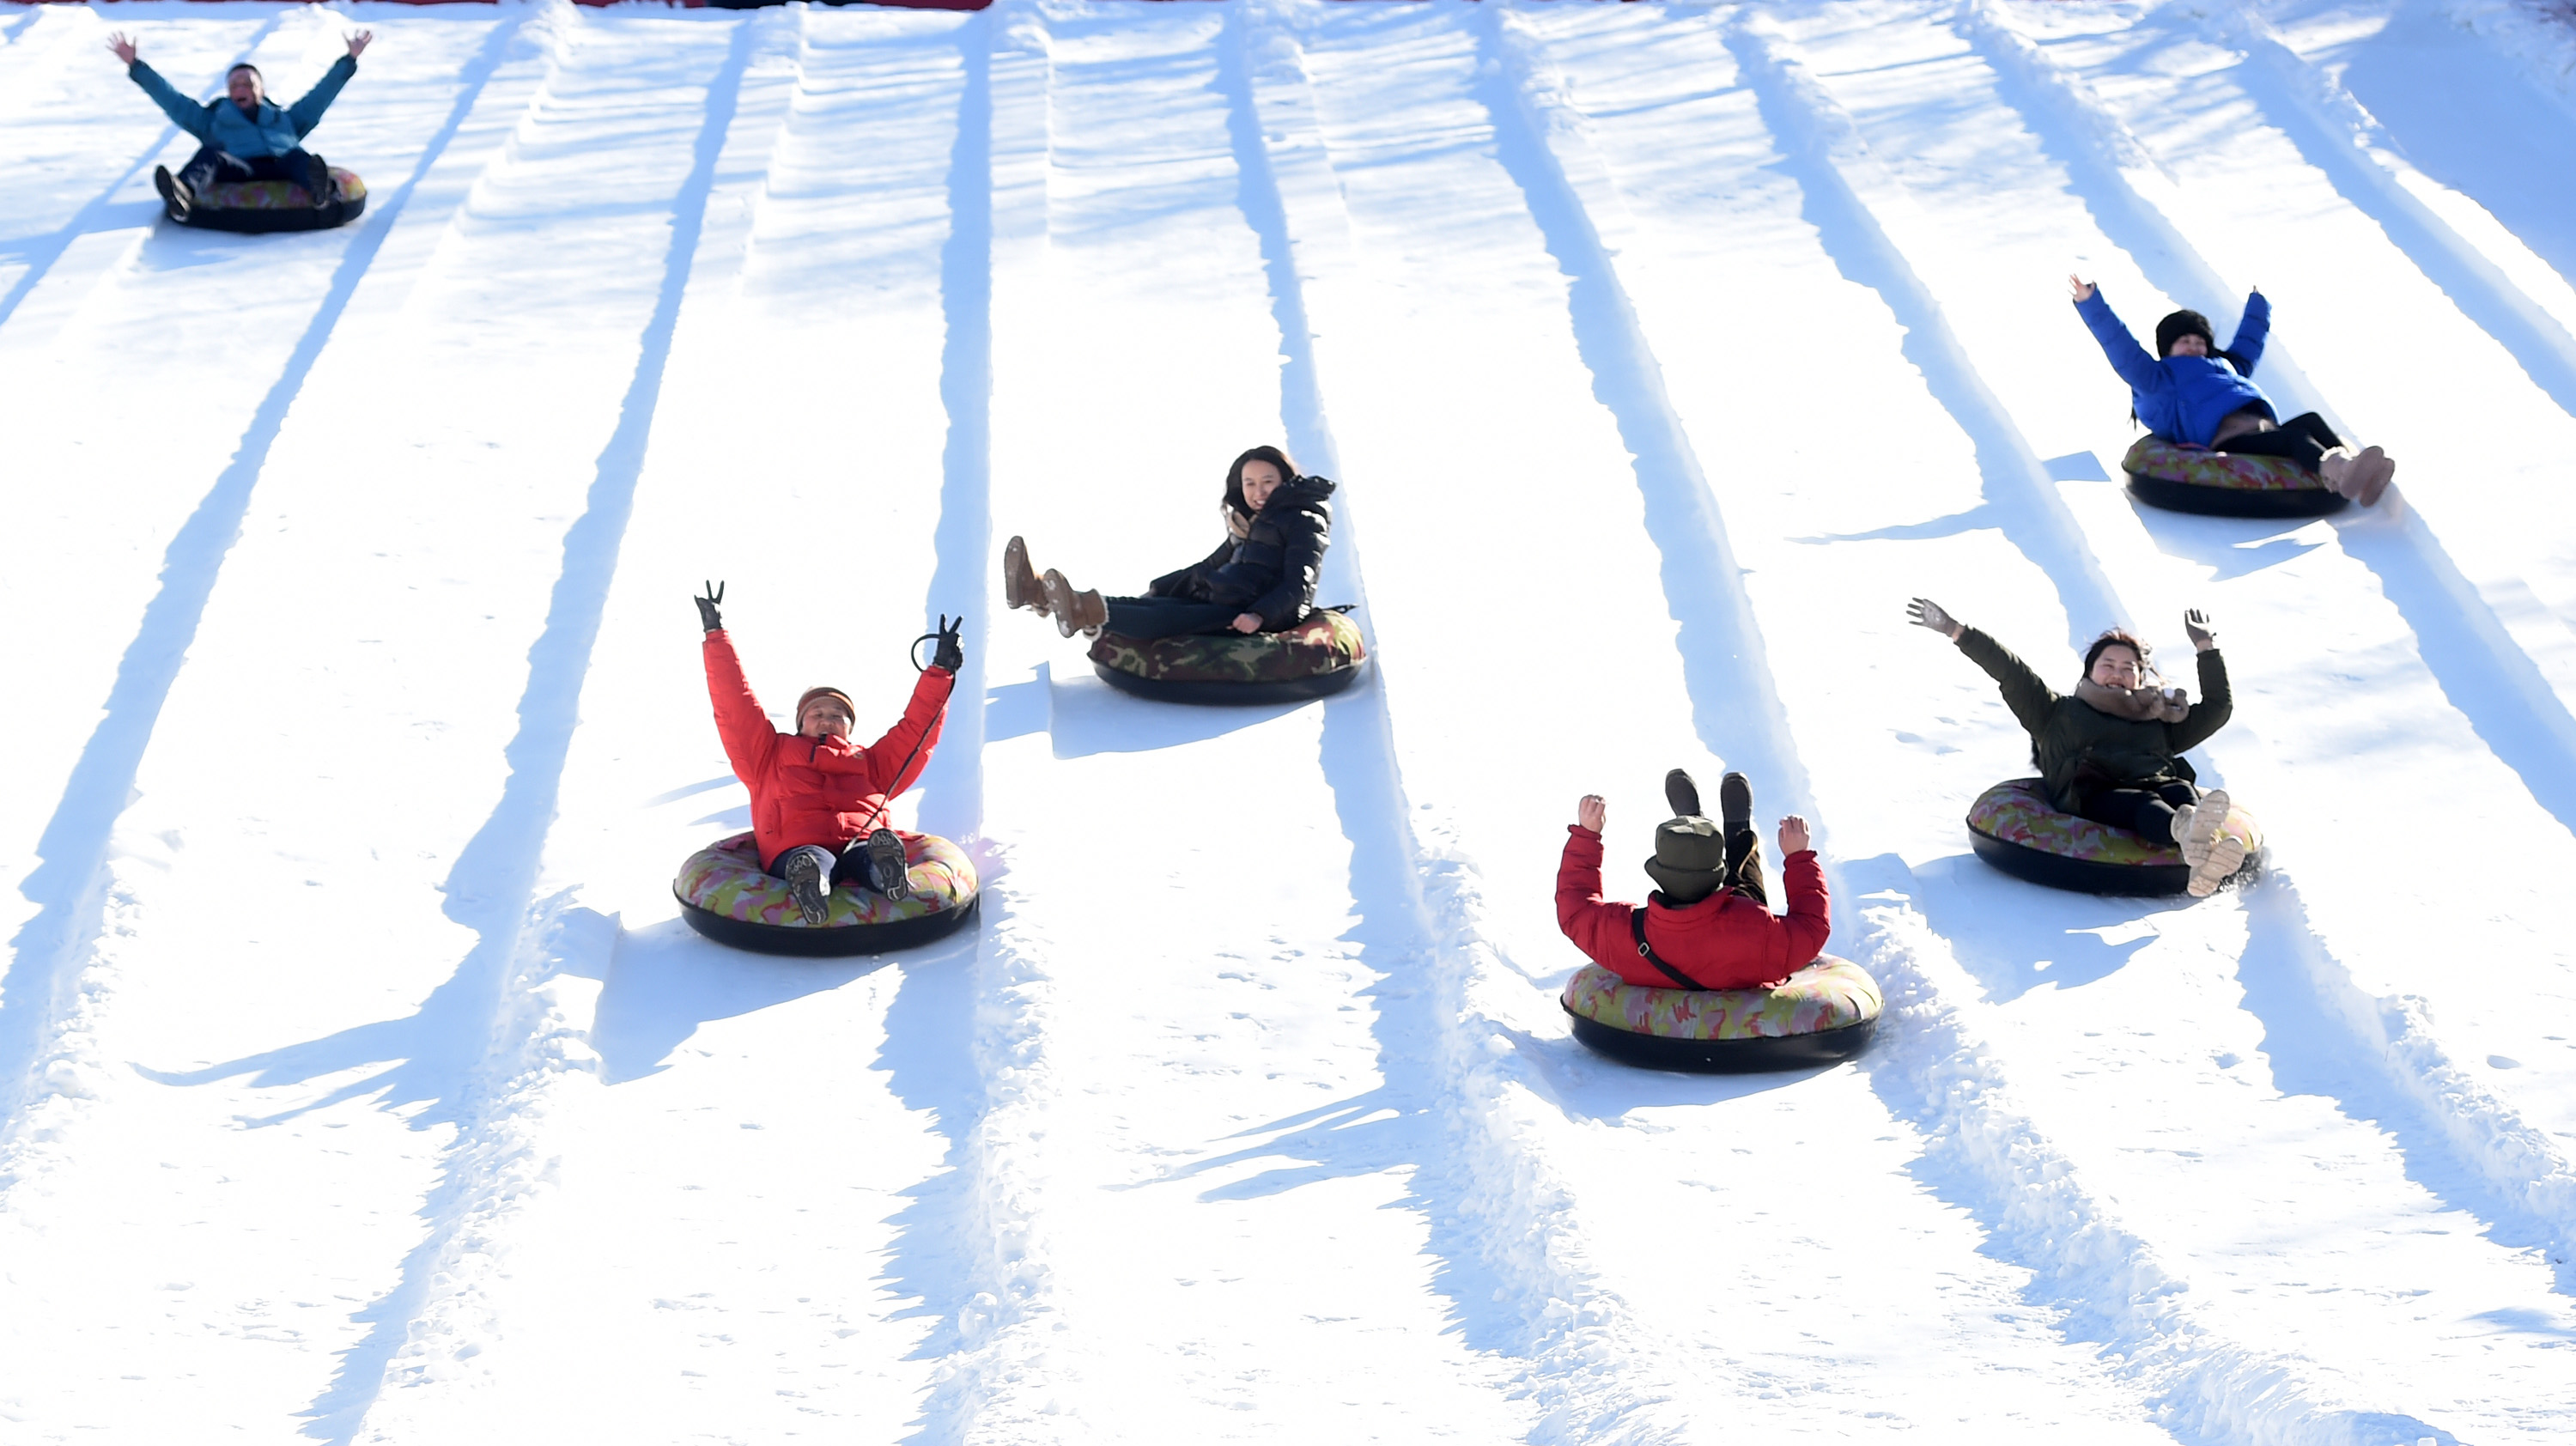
<point x="886" y="865"/>
<point x="318" y="182"/>
<point x="1682" y="794"/>
<point x="178" y="198"/>
<point x="1735" y="802"/>
<point x="806" y="885"/>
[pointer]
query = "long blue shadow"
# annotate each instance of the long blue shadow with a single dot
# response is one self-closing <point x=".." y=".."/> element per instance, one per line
<point x="73" y="847"/>
<point x="491" y="887"/>
<point x="42" y="251"/>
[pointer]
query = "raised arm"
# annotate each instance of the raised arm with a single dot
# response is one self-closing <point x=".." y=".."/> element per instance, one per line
<point x="188" y="115"/>
<point x="898" y="758"/>
<point x="2217" y="701"/>
<point x="307" y="113"/>
<point x="1594" y="924"/>
<point x="748" y="738"/>
<point x="2247" y="347"/>
<point x="1810" y="920"/>
<point x="2029" y="698"/>
<point x="2129" y="359"/>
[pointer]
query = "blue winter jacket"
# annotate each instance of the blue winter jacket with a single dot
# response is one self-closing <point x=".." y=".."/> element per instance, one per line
<point x="268" y="131"/>
<point x="2185" y="397"/>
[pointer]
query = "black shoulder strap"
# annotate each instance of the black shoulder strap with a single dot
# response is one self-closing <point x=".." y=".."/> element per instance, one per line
<point x="1645" y="951"/>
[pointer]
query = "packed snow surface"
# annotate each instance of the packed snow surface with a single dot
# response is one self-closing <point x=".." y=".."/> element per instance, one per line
<point x="362" y="1085"/>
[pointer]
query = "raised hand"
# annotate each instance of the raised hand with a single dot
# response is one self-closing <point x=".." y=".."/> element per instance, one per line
<point x="707" y="614"/>
<point x="1923" y="612"/>
<point x="950" y="652"/>
<point x="1794" y="838"/>
<point x="123" y="45"/>
<point x="2082" y="288"/>
<point x="1591" y="812"/>
<point x="359" y="41"/>
<point x="2197" y="626"/>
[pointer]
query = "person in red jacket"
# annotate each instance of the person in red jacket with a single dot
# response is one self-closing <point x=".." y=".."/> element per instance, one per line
<point x="1709" y="925"/>
<point x="818" y="800"/>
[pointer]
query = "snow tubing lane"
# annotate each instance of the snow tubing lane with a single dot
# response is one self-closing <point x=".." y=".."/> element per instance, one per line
<point x="1824" y="1013"/>
<point x="2013" y="827"/>
<point x="2223" y="484"/>
<point x="1315" y="659"/>
<point x="724" y="895"/>
<point x="263" y="206"/>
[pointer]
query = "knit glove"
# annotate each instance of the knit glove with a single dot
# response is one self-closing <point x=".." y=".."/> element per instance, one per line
<point x="2196" y="626"/>
<point x="1923" y="612"/>
<point x="708" y="617"/>
<point x="951" y="650"/>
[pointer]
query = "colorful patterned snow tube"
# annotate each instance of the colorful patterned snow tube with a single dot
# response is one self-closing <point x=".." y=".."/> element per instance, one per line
<point x="1823" y="1013"/>
<point x="276" y="205"/>
<point x="725" y="896"/>
<point x="2195" y="479"/>
<point x="1316" y="658"/>
<point x="2013" y="827"/>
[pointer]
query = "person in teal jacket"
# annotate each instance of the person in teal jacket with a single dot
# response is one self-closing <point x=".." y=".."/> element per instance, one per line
<point x="245" y="136"/>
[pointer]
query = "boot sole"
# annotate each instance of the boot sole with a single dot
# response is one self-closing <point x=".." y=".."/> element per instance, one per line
<point x="886" y="861"/>
<point x="2224" y="859"/>
<point x="1015" y="568"/>
<point x="805" y="886"/>
<point x="2207" y="818"/>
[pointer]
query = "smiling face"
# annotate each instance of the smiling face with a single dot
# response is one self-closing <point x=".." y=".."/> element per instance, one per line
<point x="1260" y="479"/>
<point x="243" y="86"/>
<point x="2190" y="343"/>
<point x="825" y="718"/>
<point x="2118" y="667"/>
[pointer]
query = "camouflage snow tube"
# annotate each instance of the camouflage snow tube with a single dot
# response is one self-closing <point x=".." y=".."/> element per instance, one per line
<point x="1823" y="1013"/>
<point x="724" y="895"/>
<point x="2014" y="828"/>
<point x="276" y="205"/>
<point x="1314" y="659"/>
<point x="2195" y="479"/>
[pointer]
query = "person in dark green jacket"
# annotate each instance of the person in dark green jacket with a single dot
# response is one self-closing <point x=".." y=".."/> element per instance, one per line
<point x="2111" y="751"/>
<point x="245" y="136"/>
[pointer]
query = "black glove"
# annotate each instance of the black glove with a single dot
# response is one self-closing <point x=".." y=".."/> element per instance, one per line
<point x="1923" y="612"/>
<point x="708" y="617"/>
<point x="2197" y="626"/>
<point x="951" y="651"/>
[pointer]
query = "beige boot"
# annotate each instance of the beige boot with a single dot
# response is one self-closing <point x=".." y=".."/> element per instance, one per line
<point x="2226" y="855"/>
<point x="1075" y="612"/>
<point x="2372" y="471"/>
<point x="2196" y="825"/>
<point x="1021" y="586"/>
<point x="2336" y="467"/>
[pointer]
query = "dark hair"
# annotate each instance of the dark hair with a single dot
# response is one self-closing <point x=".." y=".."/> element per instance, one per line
<point x="245" y="65"/>
<point x="2182" y="324"/>
<point x="1234" y="475"/>
<point x="2117" y="637"/>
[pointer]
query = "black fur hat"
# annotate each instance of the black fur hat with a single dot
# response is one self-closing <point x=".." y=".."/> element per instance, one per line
<point x="2182" y="324"/>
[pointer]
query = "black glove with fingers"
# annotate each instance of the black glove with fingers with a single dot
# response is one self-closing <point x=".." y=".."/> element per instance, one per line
<point x="2197" y="626"/>
<point x="708" y="617"/>
<point x="1923" y="612"/>
<point x="950" y="653"/>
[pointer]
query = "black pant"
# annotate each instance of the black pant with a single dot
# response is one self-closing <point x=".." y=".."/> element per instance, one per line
<point x="2146" y="811"/>
<point x="1167" y="617"/>
<point x="2304" y="439"/>
<point x="299" y="167"/>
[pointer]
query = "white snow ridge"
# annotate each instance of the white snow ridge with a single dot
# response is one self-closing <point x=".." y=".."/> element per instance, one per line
<point x="360" y="1081"/>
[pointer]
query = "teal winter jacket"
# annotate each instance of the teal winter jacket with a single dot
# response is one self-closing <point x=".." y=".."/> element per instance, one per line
<point x="268" y="131"/>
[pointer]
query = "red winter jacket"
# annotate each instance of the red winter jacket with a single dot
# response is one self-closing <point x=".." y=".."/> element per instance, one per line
<point x="818" y="790"/>
<point x="1725" y="941"/>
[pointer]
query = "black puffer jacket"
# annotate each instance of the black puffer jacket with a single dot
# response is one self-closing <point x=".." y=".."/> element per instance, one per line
<point x="1272" y="570"/>
<point x="2082" y="750"/>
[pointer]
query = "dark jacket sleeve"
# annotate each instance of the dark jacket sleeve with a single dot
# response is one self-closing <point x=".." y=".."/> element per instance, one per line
<point x="748" y="739"/>
<point x="1301" y="563"/>
<point x="2128" y="358"/>
<point x="1177" y="584"/>
<point x="2029" y="699"/>
<point x="2247" y="347"/>
<point x="307" y="113"/>
<point x="188" y="115"/>
<point x="898" y="758"/>
<point x="2217" y="704"/>
<point x="1594" y="924"/>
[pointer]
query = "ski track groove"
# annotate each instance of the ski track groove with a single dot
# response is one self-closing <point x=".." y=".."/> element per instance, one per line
<point x="54" y="950"/>
<point x="2530" y="1180"/>
<point x="1934" y="1068"/>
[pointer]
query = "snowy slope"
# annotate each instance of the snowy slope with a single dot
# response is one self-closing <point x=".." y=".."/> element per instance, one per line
<point x="361" y="1083"/>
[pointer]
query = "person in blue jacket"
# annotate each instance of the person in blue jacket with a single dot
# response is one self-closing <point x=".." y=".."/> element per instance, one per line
<point x="245" y="136"/>
<point x="2192" y="392"/>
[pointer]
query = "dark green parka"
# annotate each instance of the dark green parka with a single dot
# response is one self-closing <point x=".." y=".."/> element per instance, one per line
<point x="2082" y="750"/>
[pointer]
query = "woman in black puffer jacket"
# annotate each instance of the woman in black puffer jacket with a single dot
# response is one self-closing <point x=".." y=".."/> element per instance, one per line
<point x="1261" y="579"/>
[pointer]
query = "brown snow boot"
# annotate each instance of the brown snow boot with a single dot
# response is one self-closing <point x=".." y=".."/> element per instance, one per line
<point x="1074" y="612"/>
<point x="1021" y="585"/>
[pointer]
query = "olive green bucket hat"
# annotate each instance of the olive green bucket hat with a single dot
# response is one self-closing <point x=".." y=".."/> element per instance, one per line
<point x="1690" y="859"/>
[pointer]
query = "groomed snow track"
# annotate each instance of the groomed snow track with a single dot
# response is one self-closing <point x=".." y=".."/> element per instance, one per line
<point x="361" y="1085"/>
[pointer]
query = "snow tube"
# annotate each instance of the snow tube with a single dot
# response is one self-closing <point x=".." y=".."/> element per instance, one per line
<point x="1823" y="1013"/>
<point x="276" y="205"/>
<point x="1314" y="659"/>
<point x="2013" y="827"/>
<point x="725" y="896"/>
<point x="2195" y="479"/>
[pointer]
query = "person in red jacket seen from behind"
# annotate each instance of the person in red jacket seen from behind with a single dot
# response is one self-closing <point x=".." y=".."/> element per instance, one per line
<point x="1710" y="925"/>
<point x="818" y="800"/>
